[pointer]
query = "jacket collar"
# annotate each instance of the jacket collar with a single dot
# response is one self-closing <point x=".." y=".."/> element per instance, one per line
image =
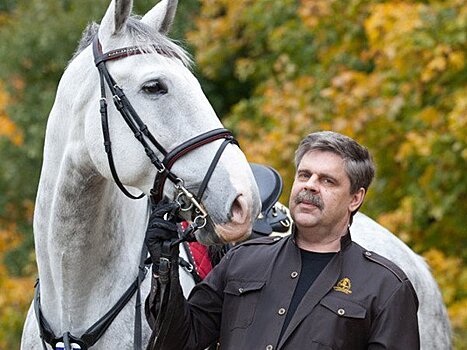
<point x="345" y="240"/>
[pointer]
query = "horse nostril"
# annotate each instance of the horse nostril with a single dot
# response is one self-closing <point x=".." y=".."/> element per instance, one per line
<point x="238" y="210"/>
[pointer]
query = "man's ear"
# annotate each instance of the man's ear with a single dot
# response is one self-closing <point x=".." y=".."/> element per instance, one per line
<point x="357" y="200"/>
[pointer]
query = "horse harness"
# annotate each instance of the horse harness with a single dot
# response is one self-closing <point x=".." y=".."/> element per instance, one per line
<point x="186" y="200"/>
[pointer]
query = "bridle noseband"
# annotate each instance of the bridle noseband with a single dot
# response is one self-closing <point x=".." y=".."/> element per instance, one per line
<point x="185" y="198"/>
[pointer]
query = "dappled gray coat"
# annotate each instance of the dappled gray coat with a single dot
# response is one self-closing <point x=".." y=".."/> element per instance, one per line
<point x="359" y="301"/>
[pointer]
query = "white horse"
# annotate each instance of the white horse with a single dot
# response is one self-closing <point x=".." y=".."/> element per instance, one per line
<point x="88" y="234"/>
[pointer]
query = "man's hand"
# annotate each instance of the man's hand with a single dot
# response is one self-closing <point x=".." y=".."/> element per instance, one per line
<point x="161" y="229"/>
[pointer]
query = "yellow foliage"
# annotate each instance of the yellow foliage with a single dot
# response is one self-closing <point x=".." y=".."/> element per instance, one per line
<point x="15" y="299"/>
<point x="350" y="93"/>
<point x="4" y="19"/>
<point x="431" y="117"/>
<point x="416" y="143"/>
<point x="451" y="276"/>
<point x="457" y="119"/>
<point x="388" y="26"/>
<point x="4" y="98"/>
<point x="8" y="128"/>
<point x="390" y="29"/>
<point x="217" y="24"/>
<point x="443" y="56"/>
<point x="458" y="314"/>
<point x="9" y="237"/>
<point x="16" y="292"/>
<point x="286" y="105"/>
<point x="457" y="59"/>
<point x="311" y="11"/>
<point x="400" y="220"/>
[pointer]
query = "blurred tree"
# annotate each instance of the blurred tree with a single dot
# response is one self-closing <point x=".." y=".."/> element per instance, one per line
<point x="7" y="5"/>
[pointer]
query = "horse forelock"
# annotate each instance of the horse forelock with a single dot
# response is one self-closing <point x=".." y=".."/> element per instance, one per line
<point x="143" y="36"/>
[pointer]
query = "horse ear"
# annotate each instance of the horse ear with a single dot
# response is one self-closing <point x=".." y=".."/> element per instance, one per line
<point x="115" y="17"/>
<point x="161" y="16"/>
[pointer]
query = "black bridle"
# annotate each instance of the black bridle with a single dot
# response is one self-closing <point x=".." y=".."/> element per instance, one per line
<point x="187" y="201"/>
<point x="184" y="197"/>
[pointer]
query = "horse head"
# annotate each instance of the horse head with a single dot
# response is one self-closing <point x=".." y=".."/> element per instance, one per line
<point x="167" y="98"/>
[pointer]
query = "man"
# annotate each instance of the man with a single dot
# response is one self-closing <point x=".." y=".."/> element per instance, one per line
<point x="315" y="289"/>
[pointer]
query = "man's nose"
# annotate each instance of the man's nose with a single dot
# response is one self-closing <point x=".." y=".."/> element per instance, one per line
<point x="312" y="183"/>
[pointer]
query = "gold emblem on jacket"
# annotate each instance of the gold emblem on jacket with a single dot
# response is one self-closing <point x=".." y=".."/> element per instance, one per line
<point x="343" y="286"/>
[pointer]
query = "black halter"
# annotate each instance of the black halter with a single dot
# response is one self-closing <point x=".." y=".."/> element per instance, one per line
<point x="141" y="132"/>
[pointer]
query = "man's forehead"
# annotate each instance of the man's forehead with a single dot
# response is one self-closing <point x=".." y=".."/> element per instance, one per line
<point x="317" y="156"/>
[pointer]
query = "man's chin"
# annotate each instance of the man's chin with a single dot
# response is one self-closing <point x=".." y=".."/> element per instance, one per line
<point x="304" y="219"/>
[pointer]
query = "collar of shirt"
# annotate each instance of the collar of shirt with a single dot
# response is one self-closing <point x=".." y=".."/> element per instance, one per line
<point x="345" y="240"/>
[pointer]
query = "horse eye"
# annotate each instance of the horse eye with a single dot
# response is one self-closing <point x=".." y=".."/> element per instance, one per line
<point x="155" y="87"/>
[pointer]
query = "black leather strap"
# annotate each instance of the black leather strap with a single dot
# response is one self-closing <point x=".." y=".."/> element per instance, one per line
<point x="168" y="284"/>
<point x="130" y="51"/>
<point x="181" y="150"/>
<point x="138" y="331"/>
<point x="229" y="139"/>
<point x="190" y="265"/>
<point x="95" y="332"/>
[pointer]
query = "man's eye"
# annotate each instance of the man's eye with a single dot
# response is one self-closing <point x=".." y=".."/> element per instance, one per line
<point x="155" y="87"/>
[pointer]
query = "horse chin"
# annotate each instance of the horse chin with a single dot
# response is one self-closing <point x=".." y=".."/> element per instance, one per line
<point x="207" y="238"/>
<point x="231" y="233"/>
<point x="222" y="234"/>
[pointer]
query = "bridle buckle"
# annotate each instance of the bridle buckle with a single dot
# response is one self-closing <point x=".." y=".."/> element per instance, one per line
<point x="186" y="200"/>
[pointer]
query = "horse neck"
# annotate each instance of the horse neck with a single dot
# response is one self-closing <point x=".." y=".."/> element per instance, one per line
<point x="88" y="236"/>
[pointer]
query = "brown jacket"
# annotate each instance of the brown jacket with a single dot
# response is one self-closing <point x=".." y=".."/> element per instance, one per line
<point x="359" y="301"/>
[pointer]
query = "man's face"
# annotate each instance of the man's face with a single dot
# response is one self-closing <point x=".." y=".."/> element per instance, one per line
<point x="320" y="195"/>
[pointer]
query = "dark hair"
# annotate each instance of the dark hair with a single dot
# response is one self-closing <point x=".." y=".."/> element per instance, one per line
<point x="357" y="160"/>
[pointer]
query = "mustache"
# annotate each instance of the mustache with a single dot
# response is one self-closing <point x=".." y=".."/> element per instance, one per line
<point x="308" y="197"/>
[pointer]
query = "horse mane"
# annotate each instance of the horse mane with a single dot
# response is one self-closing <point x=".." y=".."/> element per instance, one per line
<point x="143" y="36"/>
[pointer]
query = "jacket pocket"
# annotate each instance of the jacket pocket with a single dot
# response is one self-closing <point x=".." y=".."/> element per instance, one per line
<point x="343" y="308"/>
<point x="240" y="300"/>
<point x="337" y="315"/>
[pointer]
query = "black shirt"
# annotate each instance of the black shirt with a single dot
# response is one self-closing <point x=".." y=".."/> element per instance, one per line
<point x="312" y="265"/>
